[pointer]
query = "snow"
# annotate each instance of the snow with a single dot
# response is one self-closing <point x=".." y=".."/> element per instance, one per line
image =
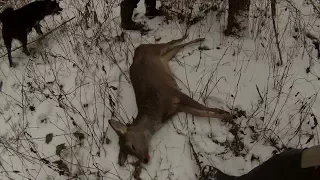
<point x="67" y="87"/>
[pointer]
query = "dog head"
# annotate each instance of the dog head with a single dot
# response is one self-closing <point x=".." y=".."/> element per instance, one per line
<point x="52" y="7"/>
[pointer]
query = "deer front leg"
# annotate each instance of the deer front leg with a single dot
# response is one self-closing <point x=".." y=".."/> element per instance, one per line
<point x="205" y="113"/>
<point x="188" y="105"/>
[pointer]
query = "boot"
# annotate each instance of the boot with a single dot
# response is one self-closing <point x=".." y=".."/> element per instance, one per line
<point x="131" y="25"/>
<point x="153" y="12"/>
<point x="126" y="19"/>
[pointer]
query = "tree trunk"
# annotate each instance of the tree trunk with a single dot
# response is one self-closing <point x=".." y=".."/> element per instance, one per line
<point x="238" y="17"/>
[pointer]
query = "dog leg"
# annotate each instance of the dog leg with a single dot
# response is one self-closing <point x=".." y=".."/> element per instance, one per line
<point x="8" y="43"/>
<point x="24" y="39"/>
<point x="37" y="27"/>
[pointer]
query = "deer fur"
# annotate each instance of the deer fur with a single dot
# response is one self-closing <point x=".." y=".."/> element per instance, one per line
<point x="158" y="98"/>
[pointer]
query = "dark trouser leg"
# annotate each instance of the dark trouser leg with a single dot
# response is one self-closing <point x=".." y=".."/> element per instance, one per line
<point x="283" y="166"/>
<point x="286" y="165"/>
<point x="127" y="7"/>
<point x="151" y="10"/>
<point x="150" y="4"/>
<point x="129" y="4"/>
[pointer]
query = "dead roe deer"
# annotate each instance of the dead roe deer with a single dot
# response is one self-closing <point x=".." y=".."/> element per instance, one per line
<point x="158" y="98"/>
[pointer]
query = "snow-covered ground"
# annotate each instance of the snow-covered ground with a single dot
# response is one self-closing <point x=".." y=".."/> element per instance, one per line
<point x="55" y="106"/>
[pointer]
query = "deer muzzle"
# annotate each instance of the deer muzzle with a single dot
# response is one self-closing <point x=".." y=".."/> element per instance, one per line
<point x="146" y="159"/>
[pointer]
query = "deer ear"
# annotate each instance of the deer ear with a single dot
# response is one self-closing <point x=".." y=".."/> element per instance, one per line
<point x="122" y="158"/>
<point x="120" y="128"/>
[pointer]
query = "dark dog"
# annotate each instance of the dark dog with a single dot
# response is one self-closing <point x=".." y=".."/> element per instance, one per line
<point x="17" y="24"/>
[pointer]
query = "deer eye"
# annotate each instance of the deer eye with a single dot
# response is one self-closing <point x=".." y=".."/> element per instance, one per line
<point x="134" y="148"/>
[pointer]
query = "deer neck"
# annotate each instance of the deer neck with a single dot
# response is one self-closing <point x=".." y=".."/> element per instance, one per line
<point x="146" y="124"/>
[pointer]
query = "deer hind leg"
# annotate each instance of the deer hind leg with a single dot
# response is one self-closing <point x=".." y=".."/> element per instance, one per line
<point x="188" y="105"/>
<point x="170" y="53"/>
<point x="175" y="42"/>
<point x="166" y="46"/>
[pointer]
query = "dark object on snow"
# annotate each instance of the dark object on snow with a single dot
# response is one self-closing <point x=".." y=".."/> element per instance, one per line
<point x="315" y="42"/>
<point x="17" y="24"/>
<point x="294" y="164"/>
<point x="316" y="46"/>
<point x="127" y="7"/>
<point x="1" y="85"/>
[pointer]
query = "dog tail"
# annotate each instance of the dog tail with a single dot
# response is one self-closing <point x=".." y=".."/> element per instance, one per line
<point x="6" y="14"/>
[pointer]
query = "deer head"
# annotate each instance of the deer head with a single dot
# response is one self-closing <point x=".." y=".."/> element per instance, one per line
<point x="132" y="140"/>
